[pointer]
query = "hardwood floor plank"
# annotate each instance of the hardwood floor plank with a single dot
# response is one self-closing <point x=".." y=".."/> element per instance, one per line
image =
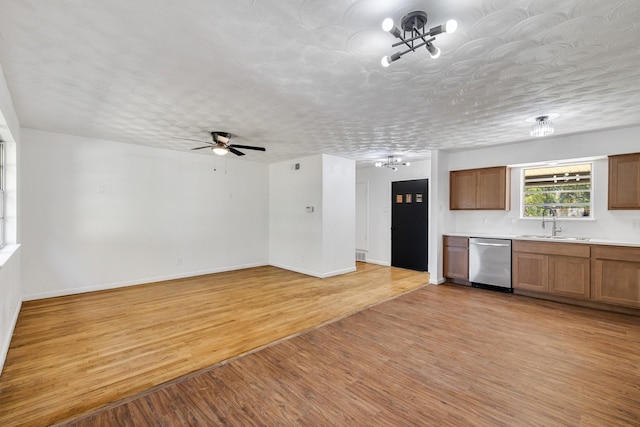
<point x="439" y="355"/>
<point x="444" y="355"/>
<point x="73" y="354"/>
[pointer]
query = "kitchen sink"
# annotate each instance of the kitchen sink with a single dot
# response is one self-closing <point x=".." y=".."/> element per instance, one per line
<point x="540" y="236"/>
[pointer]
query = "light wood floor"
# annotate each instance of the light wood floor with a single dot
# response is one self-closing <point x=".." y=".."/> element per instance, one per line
<point x="438" y="356"/>
<point x="74" y="354"/>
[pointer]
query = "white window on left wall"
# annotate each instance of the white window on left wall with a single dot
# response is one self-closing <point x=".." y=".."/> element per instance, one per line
<point x="2" y="194"/>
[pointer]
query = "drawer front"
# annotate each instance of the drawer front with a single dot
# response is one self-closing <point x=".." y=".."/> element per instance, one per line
<point x="461" y="242"/>
<point x="620" y="253"/>
<point x="552" y="248"/>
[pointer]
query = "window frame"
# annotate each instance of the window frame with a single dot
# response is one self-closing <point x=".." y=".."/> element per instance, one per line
<point x="591" y="190"/>
<point x="3" y="182"/>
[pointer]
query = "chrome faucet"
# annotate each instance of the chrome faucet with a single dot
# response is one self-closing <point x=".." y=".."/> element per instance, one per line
<point x="554" y="227"/>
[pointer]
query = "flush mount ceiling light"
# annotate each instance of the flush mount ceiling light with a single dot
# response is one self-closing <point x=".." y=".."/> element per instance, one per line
<point x="414" y="35"/>
<point x="542" y="127"/>
<point x="392" y="163"/>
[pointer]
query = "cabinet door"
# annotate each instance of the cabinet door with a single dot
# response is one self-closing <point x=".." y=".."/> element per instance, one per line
<point x="617" y="282"/>
<point x="456" y="262"/>
<point x="462" y="187"/>
<point x="530" y="272"/>
<point x="570" y="276"/>
<point x="491" y="190"/>
<point x="624" y="181"/>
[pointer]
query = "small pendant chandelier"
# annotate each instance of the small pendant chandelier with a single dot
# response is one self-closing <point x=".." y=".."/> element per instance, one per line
<point x="542" y="127"/>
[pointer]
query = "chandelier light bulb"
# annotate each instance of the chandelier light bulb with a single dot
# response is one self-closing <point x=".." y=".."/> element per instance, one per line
<point x="451" y="26"/>
<point x="378" y="164"/>
<point x="387" y="24"/>
<point x="433" y="51"/>
<point x="385" y="61"/>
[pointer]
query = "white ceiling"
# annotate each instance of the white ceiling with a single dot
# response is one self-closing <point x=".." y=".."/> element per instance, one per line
<point x="302" y="77"/>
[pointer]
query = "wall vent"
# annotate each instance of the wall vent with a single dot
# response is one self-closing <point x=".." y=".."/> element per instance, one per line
<point x="361" y="255"/>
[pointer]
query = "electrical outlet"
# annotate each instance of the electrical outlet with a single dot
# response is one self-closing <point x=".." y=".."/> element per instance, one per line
<point x="179" y="261"/>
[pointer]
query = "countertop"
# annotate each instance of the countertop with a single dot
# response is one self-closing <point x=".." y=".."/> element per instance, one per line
<point x="539" y="238"/>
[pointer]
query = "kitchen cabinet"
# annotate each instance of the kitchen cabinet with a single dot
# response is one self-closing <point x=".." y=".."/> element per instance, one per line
<point x="555" y="268"/>
<point x="624" y="181"/>
<point x="529" y="271"/>
<point x="456" y="257"/>
<point x="617" y="275"/>
<point x="479" y="189"/>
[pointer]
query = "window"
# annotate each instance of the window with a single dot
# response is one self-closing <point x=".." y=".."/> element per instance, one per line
<point x="566" y="189"/>
<point x="2" y="192"/>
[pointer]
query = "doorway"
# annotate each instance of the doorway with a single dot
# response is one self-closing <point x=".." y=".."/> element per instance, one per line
<point x="410" y="224"/>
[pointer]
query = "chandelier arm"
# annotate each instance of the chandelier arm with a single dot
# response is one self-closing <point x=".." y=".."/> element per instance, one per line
<point x="422" y="36"/>
<point x="412" y="49"/>
<point x="403" y="41"/>
<point x="412" y="39"/>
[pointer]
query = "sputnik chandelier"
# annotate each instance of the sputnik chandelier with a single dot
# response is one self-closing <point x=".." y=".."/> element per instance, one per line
<point x="414" y="35"/>
<point x="392" y="163"/>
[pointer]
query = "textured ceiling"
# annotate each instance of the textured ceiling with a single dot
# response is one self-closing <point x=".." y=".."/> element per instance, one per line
<point x="302" y="77"/>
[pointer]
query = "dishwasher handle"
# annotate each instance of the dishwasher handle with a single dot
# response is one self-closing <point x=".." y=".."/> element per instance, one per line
<point x="499" y="245"/>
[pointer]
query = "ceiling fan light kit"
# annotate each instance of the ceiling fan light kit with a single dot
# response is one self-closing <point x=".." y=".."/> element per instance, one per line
<point x="414" y="35"/>
<point x="392" y="163"/>
<point x="221" y="145"/>
<point x="220" y="149"/>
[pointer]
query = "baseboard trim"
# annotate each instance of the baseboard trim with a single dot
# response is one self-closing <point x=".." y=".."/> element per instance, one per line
<point x="7" y="342"/>
<point x="107" y="286"/>
<point x="382" y="263"/>
<point x="314" y="273"/>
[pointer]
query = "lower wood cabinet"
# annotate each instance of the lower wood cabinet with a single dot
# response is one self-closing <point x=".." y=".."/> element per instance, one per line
<point x="555" y="268"/>
<point x="600" y="273"/>
<point x="617" y="275"/>
<point x="570" y="276"/>
<point x="530" y="271"/>
<point x="456" y="257"/>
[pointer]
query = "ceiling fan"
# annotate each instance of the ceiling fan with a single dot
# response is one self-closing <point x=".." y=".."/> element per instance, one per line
<point x="221" y="145"/>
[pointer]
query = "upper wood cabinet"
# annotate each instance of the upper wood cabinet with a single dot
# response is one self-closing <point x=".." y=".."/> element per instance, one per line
<point x="624" y="181"/>
<point x="482" y="189"/>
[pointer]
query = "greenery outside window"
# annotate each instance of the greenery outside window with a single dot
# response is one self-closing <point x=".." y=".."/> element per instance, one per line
<point x="566" y="189"/>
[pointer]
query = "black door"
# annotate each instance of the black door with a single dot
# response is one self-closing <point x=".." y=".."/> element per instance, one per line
<point x="409" y="224"/>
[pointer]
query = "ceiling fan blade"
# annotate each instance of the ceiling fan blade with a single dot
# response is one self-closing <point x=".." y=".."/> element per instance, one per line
<point x="188" y="139"/>
<point x="248" y="147"/>
<point x="236" y="152"/>
<point x="200" y="148"/>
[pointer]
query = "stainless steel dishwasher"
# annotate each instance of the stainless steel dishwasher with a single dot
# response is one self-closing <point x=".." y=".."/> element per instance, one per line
<point x="490" y="263"/>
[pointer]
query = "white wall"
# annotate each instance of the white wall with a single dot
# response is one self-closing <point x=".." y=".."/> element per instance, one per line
<point x="319" y="243"/>
<point x="378" y="182"/>
<point x="439" y="215"/>
<point x="338" y="214"/>
<point x="100" y="214"/>
<point x="623" y="226"/>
